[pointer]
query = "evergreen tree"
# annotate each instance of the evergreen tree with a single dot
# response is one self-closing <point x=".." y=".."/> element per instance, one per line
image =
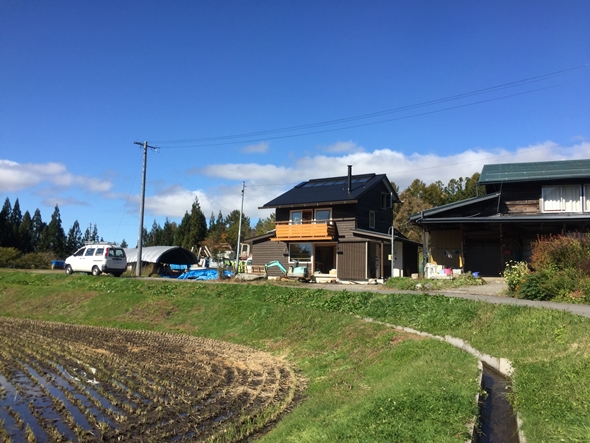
<point x="217" y="231"/>
<point x="265" y="225"/>
<point x="5" y="227"/>
<point x="55" y="237"/>
<point x="154" y="235"/>
<point x="168" y="233"/>
<point x="75" y="239"/>
<point x="37" y="231"/>
<point x="124" y="244"/>
<point x="182" y="230"/>
<point x="232" y="222"/>
<point x="15" y="220"/>
<point x="95" y="237"/>
<point x="87" y="235"/>
<point x="25" y="234"/>
<point x="194" y="230"/>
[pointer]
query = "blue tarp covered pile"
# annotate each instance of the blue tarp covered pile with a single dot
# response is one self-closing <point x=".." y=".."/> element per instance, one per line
<point x="204" y="274"/>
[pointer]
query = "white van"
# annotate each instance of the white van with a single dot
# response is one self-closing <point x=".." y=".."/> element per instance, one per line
<point x="97" y="258"/>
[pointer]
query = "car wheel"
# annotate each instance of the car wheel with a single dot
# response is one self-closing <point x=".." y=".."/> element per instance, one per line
<point x="96" y="271"/>
<point x="69" y="270"/>
<point x="117" y="274"/>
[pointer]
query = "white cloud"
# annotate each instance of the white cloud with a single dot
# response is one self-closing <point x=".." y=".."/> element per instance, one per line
<point x="218" y="187"/>
<point x="259" y="148"/>
<point x="16" y="177"/>
<point x="343" y="147"/>
<point x="246" y="171"/>
<point x="175" y="201"/>
<point x="265" y="182"/>
<point x="62" y="202"/>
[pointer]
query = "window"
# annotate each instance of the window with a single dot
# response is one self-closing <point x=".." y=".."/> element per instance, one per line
<point x="89" y="252"/>
<point x="562" y="198"/>
<point x="300" y="252"/>
<point x="99" y="251"/>
<point x="79" y="253"/>
<point x="385" y="200"/>
<point x="298" y="217"/>
<point x="323" y="214"/>
<point x="586" y="197"/>
<point x="372" y="219"/>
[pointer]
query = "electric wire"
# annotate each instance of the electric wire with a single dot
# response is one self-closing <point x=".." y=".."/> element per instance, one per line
<point x="357" y="125"/>
<point x="200" y="141"/>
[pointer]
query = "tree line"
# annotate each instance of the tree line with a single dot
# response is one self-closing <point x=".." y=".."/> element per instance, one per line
<point x="418" y="197"/>
<point x="31" y="234"/>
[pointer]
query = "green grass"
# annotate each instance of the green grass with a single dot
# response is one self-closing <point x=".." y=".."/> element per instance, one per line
<point x="427" y="284"/>
<point x="366" y="383"/>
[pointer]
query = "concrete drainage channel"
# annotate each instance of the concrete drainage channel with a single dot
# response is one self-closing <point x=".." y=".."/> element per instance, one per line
<point x="497" y="421"/>
<point x="498" y="424"/>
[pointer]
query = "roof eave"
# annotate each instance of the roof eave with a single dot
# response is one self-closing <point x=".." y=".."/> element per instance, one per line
<point x="311" y="204"/>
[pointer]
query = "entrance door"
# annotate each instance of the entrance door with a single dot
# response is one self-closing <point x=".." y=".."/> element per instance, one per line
<point x="324" y="259"/>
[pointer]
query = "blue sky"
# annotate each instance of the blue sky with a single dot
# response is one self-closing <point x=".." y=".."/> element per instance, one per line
<point x="420" y="89"/>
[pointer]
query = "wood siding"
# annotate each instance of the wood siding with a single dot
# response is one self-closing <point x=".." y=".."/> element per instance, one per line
<point x="267" y="251"/>
<point x="371" y="201"/>
<point x="344" y="228"/>
<point x="352" y="261"/>
<point x="446" y="248"/>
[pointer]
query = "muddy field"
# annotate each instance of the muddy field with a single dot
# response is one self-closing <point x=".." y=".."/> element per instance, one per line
<point x="61" y="382"/>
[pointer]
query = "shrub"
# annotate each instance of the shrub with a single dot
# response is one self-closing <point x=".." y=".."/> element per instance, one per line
<point x="515" y="274"/>
<point x="562" y="252"/>
<point x="8" y="257"/>
<point x="35" y="260"/>
<point x="534" y="286"/>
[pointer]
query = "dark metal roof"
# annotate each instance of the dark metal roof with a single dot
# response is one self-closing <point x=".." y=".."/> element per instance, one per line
<point x="398" y="236"/>
<point x="516" y="172"/>
<point x="461" y="203"/>
<point x="330" y="191"/>
<point x="545" y="218"/>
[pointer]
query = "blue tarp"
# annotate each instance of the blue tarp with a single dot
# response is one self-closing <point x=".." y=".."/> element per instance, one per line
<point x="204" y="274"/>
<point x="57" y="264"/>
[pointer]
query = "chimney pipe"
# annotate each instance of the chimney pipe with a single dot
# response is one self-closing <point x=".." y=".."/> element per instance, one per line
<point x="349" y="178"/>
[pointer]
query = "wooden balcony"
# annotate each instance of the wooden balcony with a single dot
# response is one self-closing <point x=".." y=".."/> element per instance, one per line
<point x="305" y="231"/>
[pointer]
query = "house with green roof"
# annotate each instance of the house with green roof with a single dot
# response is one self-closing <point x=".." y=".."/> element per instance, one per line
<point x="337" y="226"/>
<point x="522" y="202"/>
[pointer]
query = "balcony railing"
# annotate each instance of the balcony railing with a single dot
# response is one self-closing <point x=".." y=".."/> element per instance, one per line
<point x="306" y="230"/>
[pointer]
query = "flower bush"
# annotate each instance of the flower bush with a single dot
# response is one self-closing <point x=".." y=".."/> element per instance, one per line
<point x="516" y="274"/>
<point x="561" y="270"/>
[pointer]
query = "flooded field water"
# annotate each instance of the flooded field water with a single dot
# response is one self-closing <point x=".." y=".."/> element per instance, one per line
<point x="61" y="382"/>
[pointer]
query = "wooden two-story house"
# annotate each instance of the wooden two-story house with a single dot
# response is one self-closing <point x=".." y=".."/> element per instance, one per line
<point x="340" y="226"/>
<point x="522" y="201"/>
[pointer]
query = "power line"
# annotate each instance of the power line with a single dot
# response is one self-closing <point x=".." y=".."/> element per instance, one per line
<point x="224" y="139"/>
<point x="357" y="125"/>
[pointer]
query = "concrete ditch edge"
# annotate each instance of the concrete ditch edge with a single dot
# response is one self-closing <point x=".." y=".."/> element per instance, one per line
<point x="501" y="365"/>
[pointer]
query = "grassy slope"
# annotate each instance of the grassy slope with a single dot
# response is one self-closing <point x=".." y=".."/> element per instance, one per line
<point x="365" y="382"/>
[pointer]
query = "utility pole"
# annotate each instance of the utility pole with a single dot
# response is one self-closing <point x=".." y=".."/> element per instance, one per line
<point x="240" y="230"/>
<point x="139" y="240"/>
